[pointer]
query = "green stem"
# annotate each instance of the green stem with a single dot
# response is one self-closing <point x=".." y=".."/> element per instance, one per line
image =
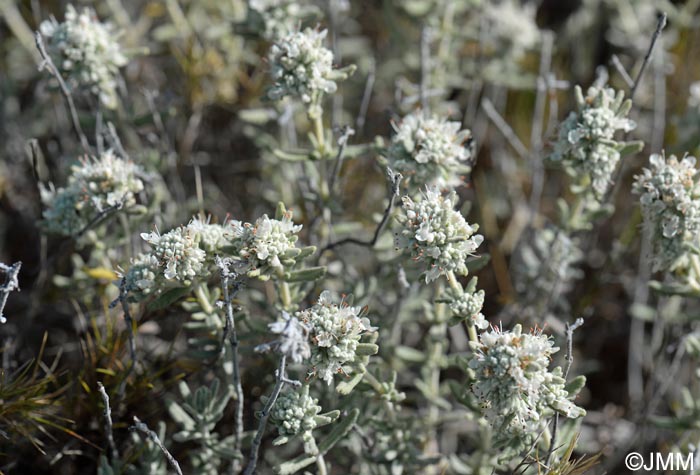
<point x="203" y="298"/>
<point x="284" y="291"/>
<point x="471" y="329"/>
<point x="454" y="283"/>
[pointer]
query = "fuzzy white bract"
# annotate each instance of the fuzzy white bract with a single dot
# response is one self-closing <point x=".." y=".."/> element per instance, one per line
<point x="335" y="330"/>
<point x="301" y="66"/>
<point x="515" y="387"/>
<point x="429" y="150"/>
<point x="293" y="338"/>
<point x="178" y="254"/>
<point x="95" y="185"/>
<point x="295" y="412"/>
<point x="212" y="236"/>
<point x="266" y="243"/>
<point x="586" y="145"/>
<point x="86" y="52"/>
<point x="435" y="235"/>
<point x="670" y="201"/>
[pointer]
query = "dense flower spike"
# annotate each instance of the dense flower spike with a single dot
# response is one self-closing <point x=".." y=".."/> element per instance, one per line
<point x="467" y="305"/>
<point x="515" y="387"/>
<point x="586" y="145"/>
<point x="295" y="412"/>
<point x="267" y="242"/>
<point x="94" y="186"/>
<point x="436" y="235"/>
<point x="429" y="150"/>
<point x="335" y="329"/>
<point x="178" y="254"/>
<point x="142" y="276"/>
<point x="86" y="52"/>
<point x="301" y="66"/>
<point x="670" y="200"/>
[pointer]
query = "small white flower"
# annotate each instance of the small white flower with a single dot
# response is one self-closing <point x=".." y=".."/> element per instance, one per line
<point x="86" y="52"/>
<point x="295" y="412"/>
<point x="266" y="243"/>
<point x="335" y="330"/>
<point x="436" y="235"/>
<point x="212" y="237"/>
<point x="586" y="144"/>
<point x="670" y="200"/>
<point x="517" y="391"/>
<point x="429" y="150"/>
<point x="301" y="66"/>
<point x="177" y="253"/>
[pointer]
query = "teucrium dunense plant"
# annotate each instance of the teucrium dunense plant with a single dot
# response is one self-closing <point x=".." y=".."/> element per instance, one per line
<point x="670" y="199"/>
<point x="586" y="144"/>
<point x="95" y="186"/>
<point x="429" y="150"/>
<point x="335" y="330"/>
<point x="86" y="52"/>
<point x="515" y="387"/>
<point x="432" y="233"/>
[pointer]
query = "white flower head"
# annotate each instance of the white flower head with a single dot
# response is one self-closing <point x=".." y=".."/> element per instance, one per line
<point x="301" y="66"/>
<point x="143" y="277"/>
<point x="268" y="242"/>
<point x="513" y="383"/>
<point x="435" y="235"/>
<point x="670" y="200"/>
<point x="429" y="150"/>
<point x="335" y="330"/>
<point x="95" y="185"/>
<point x="86" y="52"/>
<point x="108" y="180"/>
<point x="280" y="17"/>
<point x="293" y="338"/>
<point x="178" y="254"/>
<point x="586" y="145"/>
<point x="295" y="412"/>
<point x="468" y="305"/>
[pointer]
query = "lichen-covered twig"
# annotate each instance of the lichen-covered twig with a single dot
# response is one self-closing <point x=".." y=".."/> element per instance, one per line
<point x="660" y="25"/>
<point x="144" y="429"/>
<point x="230" y="334"/>
<point x="265" y="415"/>
<point x="47" y="63"/>
<point x="570" y="328"/>
<point x="11" y="283"/>
<point x="107" y="414"/>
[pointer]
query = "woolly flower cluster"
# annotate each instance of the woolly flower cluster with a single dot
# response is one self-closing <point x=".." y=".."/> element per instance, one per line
<point x="335" y="330"/>
<point x="95" y="185"/>
<point x="177" y="257"/>
<point x="586" y="144"/>
<point x="267" y="243"/>
<point x="468" y="305"/>
<point x="514" y="386"/>
<point x="85" y="51"/>
<point x="436" y="235"/>
<point x="429" y="150"/>
<point x="505" y="17"/>
<point x="301" y="66"/>
<point x="670" y="200"/>
<point x="295" y="412"/>
<point x="177" y="252"/>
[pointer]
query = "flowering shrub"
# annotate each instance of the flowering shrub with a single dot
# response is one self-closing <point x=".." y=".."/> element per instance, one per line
<point x="85" y="50"/>
<point x="460" y="207"/>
